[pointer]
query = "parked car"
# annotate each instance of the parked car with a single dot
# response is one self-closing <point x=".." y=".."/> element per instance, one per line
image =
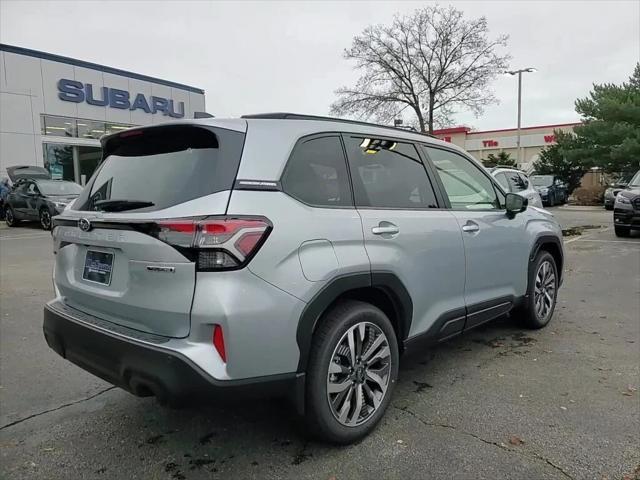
<point x="515" y="181"/>
<point x="36" y="197"/>
<point x="611" y="192"/>
<point x="289" y="253"/>
<point x="626" y="211"/>
<point x="552" y="189"/>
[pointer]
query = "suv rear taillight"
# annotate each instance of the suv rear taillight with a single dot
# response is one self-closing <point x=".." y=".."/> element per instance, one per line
<point x="216" y="243"/>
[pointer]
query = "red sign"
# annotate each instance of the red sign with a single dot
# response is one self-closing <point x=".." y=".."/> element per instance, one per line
<point x="490" y="143"/>
<point x="549" y="138"/>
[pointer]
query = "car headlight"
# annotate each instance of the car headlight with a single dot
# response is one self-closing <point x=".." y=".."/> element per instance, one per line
<point x="623" y="200"/>
<point x="544" y="190"/>
<point x="59" y="204"/>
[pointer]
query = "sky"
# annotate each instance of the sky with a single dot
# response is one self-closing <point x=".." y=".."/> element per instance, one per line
<point x="268" y="56"/>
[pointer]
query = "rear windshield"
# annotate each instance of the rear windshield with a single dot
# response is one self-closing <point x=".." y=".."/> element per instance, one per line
<point x="542" y="180"/>
<point x="158" y="167"/>
<point x="58" y="187"/>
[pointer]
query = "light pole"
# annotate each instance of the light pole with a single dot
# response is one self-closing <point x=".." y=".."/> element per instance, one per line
<point x="519" y="73"/>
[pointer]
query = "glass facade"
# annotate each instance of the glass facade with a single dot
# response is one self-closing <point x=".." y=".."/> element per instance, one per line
<point x="58" y="126"/>
<point x="90" y="129"/>
<point x="73" y="161"/>
<point x="88" y="160"/>
<point x="58" y="159"/>
<point x="78" y="128"/>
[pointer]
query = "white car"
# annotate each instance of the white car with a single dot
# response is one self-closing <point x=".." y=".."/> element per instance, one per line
<point x="515" y="181"/>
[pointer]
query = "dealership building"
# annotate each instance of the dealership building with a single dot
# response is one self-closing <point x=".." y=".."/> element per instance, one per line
<point x="482" y="143"/>
<point x="54" y="109"/>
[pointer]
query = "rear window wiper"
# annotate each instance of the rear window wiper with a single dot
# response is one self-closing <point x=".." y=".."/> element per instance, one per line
<point x="115" y="205"/>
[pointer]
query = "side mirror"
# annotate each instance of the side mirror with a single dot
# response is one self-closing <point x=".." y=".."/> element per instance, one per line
<point x="515" y="204"/>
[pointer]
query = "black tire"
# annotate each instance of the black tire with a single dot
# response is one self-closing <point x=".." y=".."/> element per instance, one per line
<point x="333" y="327"/>
<point x="45" y="219"/>
<point x="527" y="313"/>
<point x="622" y="231"/>
<point x="10" y="218"/>
<point x="608" y="207"/>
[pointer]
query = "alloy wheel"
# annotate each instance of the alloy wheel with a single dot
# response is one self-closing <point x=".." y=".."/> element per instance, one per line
<point x="544" y="295"/>
<point x="8" y="217"/>
<point x="359" y="373"/>
<point x="45" y="219"/>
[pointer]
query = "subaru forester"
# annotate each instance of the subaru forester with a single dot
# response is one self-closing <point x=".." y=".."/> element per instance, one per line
<point x="293" y="254"/>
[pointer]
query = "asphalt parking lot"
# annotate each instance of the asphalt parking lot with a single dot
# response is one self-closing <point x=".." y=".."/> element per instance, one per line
<point x="498" y="402"/>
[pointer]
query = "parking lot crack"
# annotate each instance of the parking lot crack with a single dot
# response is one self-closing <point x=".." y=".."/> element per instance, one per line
<point x="60" y="407"/>
<point x="503" y="446"/>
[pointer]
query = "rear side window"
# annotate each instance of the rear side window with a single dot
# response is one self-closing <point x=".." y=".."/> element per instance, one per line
<point x="388" y="174"/>
<point x="516" y="182"/>
<point x="156" y="168"/>
<point x="316" y="173"/>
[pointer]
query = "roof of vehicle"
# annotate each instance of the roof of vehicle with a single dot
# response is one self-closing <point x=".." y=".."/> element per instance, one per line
<point x="279" y="132"/>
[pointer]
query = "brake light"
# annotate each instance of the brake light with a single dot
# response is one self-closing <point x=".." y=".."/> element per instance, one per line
<point x="216" y="243"/>
<point x="218" y="342"/>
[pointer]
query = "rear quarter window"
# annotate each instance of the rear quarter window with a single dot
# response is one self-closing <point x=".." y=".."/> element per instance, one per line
<point x="165" y="166"/>
<point x="316" y="173"/>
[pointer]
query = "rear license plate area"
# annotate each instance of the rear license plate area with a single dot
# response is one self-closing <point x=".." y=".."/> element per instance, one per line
<point x="98" y="267"/>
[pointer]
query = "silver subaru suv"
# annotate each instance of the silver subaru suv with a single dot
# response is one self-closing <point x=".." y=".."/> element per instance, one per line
<point x="289" y="254"/>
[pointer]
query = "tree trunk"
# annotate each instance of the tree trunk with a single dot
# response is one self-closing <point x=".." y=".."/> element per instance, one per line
<point x="432" y="101"/>
<point x="420" y="118"/>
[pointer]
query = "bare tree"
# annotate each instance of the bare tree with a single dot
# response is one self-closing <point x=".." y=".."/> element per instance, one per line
<point x="432" y="62"/>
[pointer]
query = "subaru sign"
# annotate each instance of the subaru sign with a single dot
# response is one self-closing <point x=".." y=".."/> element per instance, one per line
<point x="78" y="92"/>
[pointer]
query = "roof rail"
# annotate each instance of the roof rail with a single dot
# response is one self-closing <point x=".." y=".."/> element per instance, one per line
<point x="299" y="116"/>
<point x="510" y="167"/>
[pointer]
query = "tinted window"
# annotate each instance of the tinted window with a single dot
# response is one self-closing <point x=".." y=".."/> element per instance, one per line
<point x="388" y="174"/>
<point x="165" y="166"/>
<point x="57" y="187"/>
<point x="316" y="173"/>
<point x="502" y="180"/>
<point x="516" y="183"/>
<point x="466" y="186"/>
<point x="525" y="180"/>
<point x="542" y="180"/>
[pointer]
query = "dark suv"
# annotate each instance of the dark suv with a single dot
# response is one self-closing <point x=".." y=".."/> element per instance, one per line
<point x="552" y="190"/>
<point x="626" y="209"/>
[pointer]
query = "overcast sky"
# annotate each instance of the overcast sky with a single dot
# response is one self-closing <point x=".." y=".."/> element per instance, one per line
<point x="287" y="56"/>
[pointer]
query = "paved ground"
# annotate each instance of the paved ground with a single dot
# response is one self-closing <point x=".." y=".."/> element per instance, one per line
<point x="569" y="392"/>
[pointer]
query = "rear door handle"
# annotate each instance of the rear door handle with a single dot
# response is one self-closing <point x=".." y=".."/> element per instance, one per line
<point x="470" y="227"/>
<point x="385" y="228"/>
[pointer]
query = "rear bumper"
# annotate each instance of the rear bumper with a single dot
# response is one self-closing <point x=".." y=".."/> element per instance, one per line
<point x="144" y="369"/>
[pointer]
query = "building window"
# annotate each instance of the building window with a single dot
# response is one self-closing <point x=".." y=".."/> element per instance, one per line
<point x="58" y="159"/>
<point x="58" y="126"/>
<point x="116" y="127"/>
<point x="90" y="129"/>
<point x="77" y="127"/>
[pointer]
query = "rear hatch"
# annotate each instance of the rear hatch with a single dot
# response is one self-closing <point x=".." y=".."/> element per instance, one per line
<point x="18" y="172"/>
<point x="113" y="260"/>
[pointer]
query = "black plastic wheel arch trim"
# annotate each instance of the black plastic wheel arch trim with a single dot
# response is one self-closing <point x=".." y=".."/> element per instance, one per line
<point x="538" y="244"/>
<point x="388" y="282"/>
